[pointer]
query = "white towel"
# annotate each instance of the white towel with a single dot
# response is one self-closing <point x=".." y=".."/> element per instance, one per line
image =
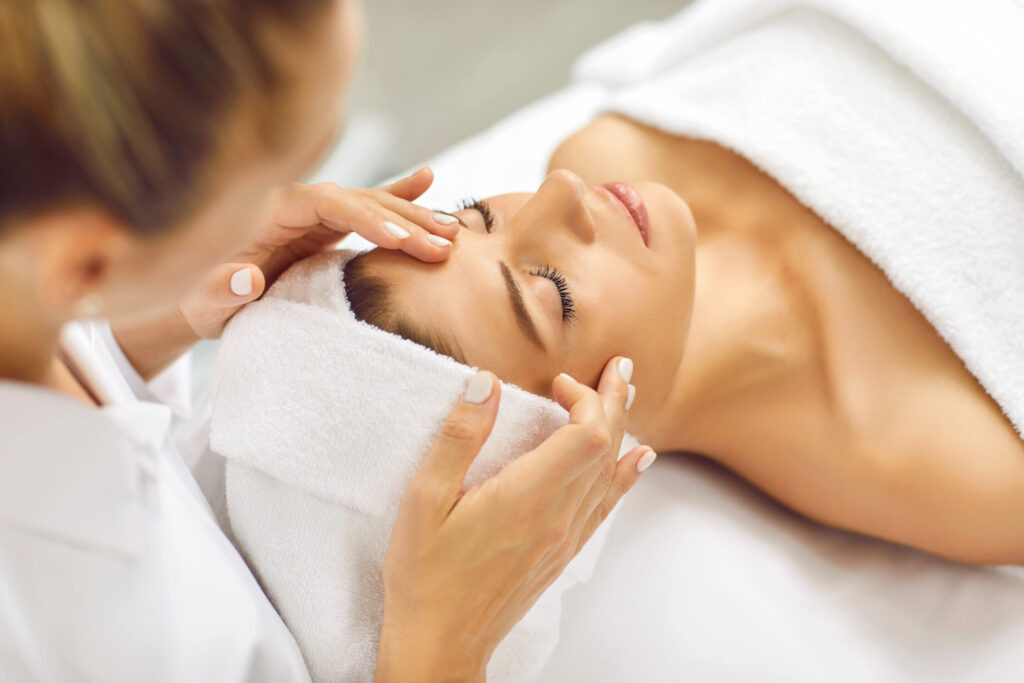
<point x="899" y="122"/>
<point x="323" y="420"/>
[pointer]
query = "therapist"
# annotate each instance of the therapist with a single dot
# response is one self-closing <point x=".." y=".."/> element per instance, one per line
<point x="142" y="144"/>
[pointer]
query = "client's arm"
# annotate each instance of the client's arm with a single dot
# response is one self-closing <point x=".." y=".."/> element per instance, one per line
<point x="943" y="472"/>
<point x="464" y="566"/>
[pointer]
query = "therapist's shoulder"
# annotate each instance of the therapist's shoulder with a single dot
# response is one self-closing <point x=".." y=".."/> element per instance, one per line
<point x="111" y="567"/>
<point x="69" y="478"/>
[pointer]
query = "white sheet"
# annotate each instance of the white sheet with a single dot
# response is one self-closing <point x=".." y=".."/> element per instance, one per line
<point x="703" y="579"/>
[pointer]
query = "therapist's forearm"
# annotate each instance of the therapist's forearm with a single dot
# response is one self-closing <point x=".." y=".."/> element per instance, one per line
<point x="151" y="345"/>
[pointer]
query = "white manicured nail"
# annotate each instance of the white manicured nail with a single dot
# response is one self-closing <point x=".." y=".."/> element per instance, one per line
<point x="630" y="396"/>
<point x="396" y="230"/>
<point x="479" y="388"/>
<point x="444" y="218"/>
<point x="626" y="369"/>
<point x="646" y="461"/>
<point x="568" y="377"/>
<point x="439" y="241"/>
<point x="241" y="282"/>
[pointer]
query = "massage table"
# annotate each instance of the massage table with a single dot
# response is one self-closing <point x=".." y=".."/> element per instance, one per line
<point x="702" y="578"/>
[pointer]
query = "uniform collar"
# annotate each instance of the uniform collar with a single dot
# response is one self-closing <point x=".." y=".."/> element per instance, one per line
<point x="75" y="473"/>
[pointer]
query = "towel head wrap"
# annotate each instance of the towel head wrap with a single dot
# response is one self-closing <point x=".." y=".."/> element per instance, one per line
<point x="323" y="419"/>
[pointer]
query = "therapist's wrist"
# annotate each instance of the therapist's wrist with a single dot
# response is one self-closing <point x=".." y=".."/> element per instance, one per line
<point x="151" y="345"/>
<point x="418" y="659"/>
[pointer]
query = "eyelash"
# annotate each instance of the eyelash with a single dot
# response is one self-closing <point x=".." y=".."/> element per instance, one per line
<point x="568" y="305"/>
<point x="482" y="207"/>
<point x="546" y="271"/>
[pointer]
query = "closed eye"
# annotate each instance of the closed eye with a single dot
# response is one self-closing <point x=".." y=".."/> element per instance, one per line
<point x="562" y="285"/>
<point x="481" y="207"/>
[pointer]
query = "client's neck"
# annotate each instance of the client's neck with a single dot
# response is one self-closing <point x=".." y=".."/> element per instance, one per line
<point x="750" y="344"/>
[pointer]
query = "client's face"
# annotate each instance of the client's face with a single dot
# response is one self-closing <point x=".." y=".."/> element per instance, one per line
<point x="557" y="281"/>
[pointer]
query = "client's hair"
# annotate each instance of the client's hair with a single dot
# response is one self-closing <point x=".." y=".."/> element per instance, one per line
<point x="371" y="301"/>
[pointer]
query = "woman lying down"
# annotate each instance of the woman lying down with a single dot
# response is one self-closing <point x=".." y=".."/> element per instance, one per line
<point x="762" y="338"/>
<point x="771" y="346"/>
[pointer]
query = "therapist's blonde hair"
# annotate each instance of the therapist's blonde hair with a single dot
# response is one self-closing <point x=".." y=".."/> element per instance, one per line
<point x="120" y="102"/>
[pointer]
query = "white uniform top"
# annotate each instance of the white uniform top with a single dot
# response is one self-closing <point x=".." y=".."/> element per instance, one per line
<point x="112" y="566"/>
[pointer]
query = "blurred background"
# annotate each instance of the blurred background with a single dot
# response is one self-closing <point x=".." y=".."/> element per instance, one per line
<point x="437" y="71"/>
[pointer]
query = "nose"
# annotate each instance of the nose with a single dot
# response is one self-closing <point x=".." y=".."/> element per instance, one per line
<point x="563" y="198"/>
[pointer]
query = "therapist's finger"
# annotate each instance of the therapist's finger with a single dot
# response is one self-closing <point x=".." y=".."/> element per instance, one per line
<point x="435" y="222"/>
<point x="627" y="473"/>
<point x="362" y="212"/>
<point x="413" y="238"/>
<point x="412" y="186"/>
<point x="617" y="394"/>
<point x="437" y="485"/>
<point x="617" y="397"/>
<point x="556" y="464"/>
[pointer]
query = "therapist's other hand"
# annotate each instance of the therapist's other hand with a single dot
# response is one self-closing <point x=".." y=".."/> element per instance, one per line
<point x="464" y="566"/>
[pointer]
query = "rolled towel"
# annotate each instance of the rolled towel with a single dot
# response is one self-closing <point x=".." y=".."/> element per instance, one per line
<point x="323" y="419"/>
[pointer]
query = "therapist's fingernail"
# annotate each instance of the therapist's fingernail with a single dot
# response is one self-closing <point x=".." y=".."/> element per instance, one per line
<point x="241" y="282"/>
<point x="439" y="241"/>
<point x="568" y="377"/>
<point x="646" y="460"/>
<point x="396" y="230"/>
<point x="630" y="395"/>
<point x="444" y="218"/>
<point x="479" y="388"/>
<point x="626" y="369"/>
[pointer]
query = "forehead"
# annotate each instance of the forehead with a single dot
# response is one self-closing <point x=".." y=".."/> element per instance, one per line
<point x="464" y="302"/>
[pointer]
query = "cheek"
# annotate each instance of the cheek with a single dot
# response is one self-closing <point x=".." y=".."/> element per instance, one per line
<point x="641" y="315"/>
<point x="522" y="367"/>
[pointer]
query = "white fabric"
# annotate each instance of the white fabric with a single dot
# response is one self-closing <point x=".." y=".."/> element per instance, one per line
<point x="900" y="127"/>
<point x="91" y="345"/>
<point x="701" y="578"/>
<point x="323" y="420"/>
<point x="704" y="579"/>
<point x="111" y="566"/>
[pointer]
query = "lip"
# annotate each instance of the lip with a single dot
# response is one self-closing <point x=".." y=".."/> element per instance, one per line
<point x="632" y="205"/>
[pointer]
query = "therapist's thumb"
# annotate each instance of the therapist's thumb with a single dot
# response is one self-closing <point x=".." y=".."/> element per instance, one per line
<point x="229" y="285"/>
<point x="462" y="435"/>
<point x="221" y="293"/>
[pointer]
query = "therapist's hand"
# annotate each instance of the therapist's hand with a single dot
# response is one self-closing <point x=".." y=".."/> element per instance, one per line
<point x="302" y="220"/>
<point x="306" y="219"/>
<point x="464" y="566"/>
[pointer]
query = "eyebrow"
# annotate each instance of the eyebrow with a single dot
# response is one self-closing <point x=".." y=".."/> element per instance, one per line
<point x="515" y="294"/>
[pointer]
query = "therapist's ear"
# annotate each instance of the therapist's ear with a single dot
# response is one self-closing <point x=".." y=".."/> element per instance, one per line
<point x="71" y="252"/>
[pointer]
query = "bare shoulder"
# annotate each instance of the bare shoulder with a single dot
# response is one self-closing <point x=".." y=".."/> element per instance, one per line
<point x="609" y="148"/>
<point x="946" y="466"/>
